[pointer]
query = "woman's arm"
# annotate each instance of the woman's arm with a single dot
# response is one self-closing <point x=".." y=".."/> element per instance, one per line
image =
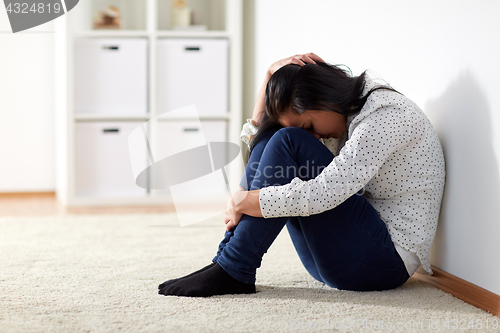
<point x="372" y="142"/>
<point x="260" y="102"/>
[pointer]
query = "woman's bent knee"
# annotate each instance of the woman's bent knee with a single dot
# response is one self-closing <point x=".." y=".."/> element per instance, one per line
<point x="291" y="132"/>
<point x="289" y="136"/>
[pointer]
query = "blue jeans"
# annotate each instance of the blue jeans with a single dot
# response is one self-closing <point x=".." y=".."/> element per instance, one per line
<point x="347" y="247"/>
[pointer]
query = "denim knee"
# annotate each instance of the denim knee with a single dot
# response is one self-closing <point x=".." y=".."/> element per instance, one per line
<point x="290" y="133"/>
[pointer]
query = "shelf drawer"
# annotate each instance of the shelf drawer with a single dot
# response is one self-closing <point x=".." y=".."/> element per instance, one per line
<point x="111" y="76"/>
<point x="103" y="166"/>
<point x="178" y="136"/>
<point x="193" y="71"/>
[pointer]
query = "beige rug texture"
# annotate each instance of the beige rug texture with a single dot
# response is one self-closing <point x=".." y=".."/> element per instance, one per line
<point x="88" y="273"/>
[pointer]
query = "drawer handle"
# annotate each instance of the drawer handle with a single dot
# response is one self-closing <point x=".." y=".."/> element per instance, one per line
<point x="192" y="48"/>
<point x="187" y="129"/>
<point x="111" y="130"/>
<point x="113" y="48"/>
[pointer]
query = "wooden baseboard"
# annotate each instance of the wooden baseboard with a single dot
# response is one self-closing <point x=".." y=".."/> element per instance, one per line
<point x="16" y="195"/>
<point x="464" y="290"/>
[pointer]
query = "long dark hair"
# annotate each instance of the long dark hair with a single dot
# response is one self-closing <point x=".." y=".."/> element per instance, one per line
<point x="311" y="87"/>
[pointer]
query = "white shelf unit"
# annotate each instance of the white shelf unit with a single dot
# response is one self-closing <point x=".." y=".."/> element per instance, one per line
<point x="141" y="20"/>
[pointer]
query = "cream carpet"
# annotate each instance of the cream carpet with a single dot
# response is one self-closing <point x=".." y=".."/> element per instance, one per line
<point x="84" y="273"/>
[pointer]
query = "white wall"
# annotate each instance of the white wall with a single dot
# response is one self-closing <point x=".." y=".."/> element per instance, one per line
<point x="26" y="108"/>
<point x="445" y="56"/>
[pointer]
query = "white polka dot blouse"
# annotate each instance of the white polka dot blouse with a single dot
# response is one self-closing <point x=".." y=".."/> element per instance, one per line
<point x="393" y="155"/>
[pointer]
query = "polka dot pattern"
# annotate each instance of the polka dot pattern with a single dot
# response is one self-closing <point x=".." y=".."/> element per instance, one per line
<point x="393" y="155"/>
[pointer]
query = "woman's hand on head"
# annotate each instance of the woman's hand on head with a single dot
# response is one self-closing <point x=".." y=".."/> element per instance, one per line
<point x="260" y="103"/>
<point x="241" y="202"/>
<point x="299" y="59"/>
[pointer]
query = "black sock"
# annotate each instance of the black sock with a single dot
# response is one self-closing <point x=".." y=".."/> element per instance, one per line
<point x="213" y="281"/>
<point x="161" y="286"/>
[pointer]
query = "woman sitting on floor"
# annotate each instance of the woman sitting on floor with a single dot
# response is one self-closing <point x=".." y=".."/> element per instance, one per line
<point x="354" y="170"/>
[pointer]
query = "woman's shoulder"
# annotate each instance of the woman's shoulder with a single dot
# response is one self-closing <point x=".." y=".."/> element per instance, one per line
<point x="383" y="96"/>
<point x="383" y="104"/>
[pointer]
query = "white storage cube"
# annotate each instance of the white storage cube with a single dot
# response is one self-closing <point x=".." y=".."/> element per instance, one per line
<point x="111" y="76"/>
<point x="175" y="137"/>
<point x="103" y="166"/>
<point x="193" y="71"/>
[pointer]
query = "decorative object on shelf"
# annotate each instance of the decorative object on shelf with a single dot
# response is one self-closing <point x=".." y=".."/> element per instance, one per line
<point x="196" y="22"/>
<point x="181" y="14"/>
<point x="109" y="18"/>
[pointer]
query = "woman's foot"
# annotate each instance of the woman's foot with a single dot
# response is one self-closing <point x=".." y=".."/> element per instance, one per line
<point x="161" y="286"/>
<point x="212" y="281"/>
